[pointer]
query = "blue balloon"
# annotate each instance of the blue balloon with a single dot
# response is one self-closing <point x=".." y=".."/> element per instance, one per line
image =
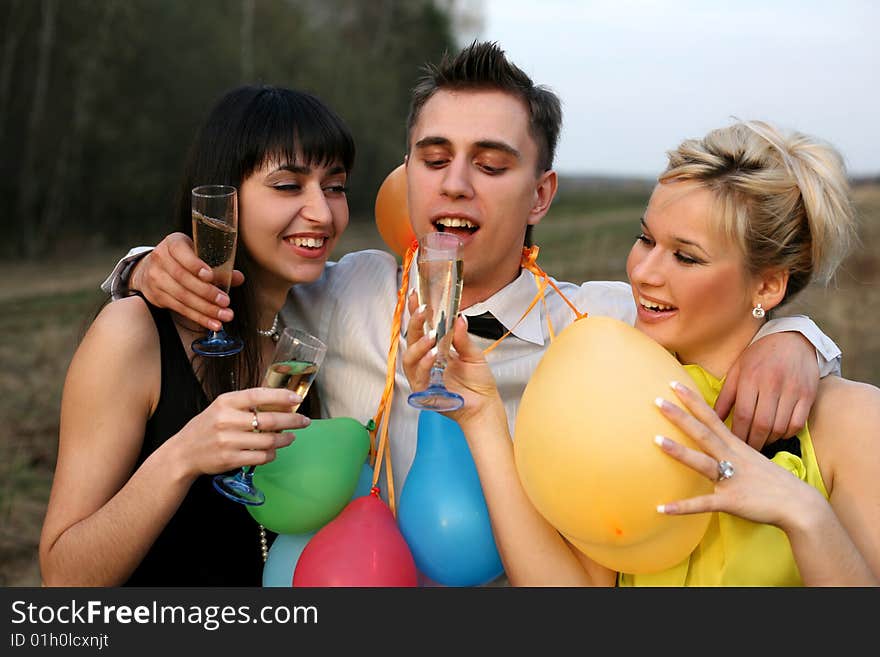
<point x="442" y="513"/>
<point x="365" y="481"/>
<point x="282" y="559"/>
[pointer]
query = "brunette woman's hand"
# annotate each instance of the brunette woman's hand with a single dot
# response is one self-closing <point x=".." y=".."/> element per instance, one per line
<point x="232" y="432"/>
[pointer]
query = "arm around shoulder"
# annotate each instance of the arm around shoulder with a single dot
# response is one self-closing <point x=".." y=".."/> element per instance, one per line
<point x="116" y="284"/>
<point x="828" y="354"/>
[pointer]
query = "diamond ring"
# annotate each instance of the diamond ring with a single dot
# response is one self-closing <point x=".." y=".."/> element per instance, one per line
<point x="725" y="470"/>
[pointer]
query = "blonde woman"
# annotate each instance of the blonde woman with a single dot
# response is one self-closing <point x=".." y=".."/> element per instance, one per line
<point x="740" y="222"/>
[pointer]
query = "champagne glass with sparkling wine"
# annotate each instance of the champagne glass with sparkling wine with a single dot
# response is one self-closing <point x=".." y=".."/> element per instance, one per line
<point x="294" y="365"/>
<point x="215" y="232"/>
<point x="440" y="281"/>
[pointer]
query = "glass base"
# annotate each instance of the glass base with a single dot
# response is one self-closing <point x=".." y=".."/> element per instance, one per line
<point x="239" y="490"/>
<point x="436" y="398"/>
<point x="217" y="344"/>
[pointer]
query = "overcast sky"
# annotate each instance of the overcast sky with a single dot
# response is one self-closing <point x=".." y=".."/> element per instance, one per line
<point x="638" y="76"/>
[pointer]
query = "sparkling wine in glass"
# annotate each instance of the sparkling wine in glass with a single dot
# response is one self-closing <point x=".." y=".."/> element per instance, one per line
<point x="215" y="233"/>
<point x="440" y="281"/>
<point x="298" y="356"/>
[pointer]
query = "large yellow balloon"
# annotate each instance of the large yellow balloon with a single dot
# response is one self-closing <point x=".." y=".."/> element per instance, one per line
<point x="392" y="214"/>
<point x="585" y="452"/>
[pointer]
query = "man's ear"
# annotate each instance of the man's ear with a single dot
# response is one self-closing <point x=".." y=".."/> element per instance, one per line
<point x="771" y="288"/>
<point x="545" y="190"/>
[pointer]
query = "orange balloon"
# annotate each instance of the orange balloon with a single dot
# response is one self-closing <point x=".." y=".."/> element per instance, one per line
<point x="392" y="215"/>
<point x="585" y="452"/>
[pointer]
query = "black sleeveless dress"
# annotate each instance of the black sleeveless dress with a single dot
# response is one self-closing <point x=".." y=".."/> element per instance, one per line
<point x="210" y="540"/>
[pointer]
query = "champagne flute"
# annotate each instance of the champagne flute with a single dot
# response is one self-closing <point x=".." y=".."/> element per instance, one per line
<point x="295" y="363"/>
<point x="215" y="232"/>
<point x="440" y="281"/>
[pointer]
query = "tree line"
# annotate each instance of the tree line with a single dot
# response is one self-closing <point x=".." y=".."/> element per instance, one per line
<point x="99" y="99"/>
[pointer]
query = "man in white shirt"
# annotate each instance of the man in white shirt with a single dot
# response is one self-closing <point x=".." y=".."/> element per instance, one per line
<point x="481" y="141"/>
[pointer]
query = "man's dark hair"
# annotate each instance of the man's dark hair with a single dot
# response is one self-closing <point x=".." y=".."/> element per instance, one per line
<point x="483" y="66"/>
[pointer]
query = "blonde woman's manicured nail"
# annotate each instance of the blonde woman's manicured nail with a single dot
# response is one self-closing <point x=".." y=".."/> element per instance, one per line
<point x="661" y="508"/>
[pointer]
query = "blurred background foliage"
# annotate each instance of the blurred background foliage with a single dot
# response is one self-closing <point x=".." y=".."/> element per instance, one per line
<point x="99" y="99"/>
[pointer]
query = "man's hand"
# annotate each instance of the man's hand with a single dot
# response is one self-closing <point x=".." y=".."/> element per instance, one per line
<point x="771" y="388"/>
<point x="172" y="276"/>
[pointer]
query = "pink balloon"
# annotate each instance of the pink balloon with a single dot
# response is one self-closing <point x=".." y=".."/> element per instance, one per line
<point x="362" y="546"/>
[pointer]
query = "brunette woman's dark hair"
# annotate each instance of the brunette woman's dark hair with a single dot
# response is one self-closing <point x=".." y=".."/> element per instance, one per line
<point x="246" y="128"/>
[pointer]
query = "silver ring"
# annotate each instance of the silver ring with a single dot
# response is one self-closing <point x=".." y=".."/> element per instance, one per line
<point x="725" y="470"/>
<point x="255" y="423"/>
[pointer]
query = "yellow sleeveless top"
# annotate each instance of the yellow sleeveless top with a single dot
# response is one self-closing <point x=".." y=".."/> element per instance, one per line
<point x="734" y="551"/>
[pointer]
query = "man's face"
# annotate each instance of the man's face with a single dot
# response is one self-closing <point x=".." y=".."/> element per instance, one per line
<point x="471" y="170"/>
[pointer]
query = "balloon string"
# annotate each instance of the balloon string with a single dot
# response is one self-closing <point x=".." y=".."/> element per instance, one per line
<point x="529" y="262"/>
<point x="378" y="448"/>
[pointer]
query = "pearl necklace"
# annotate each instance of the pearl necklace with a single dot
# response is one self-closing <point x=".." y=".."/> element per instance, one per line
<point x="271" y="332"/>
<point x="264" y="544"/>
<point x="264" y="541"/>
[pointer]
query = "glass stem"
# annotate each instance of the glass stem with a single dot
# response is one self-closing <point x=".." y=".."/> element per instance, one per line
<point x="436" y="376"/>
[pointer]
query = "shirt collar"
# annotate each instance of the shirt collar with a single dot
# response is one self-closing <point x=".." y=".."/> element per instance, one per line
<point x="507" y="305"/>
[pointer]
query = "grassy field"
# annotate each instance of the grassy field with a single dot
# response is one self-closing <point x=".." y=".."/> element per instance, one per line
<point x="44" y="311"/>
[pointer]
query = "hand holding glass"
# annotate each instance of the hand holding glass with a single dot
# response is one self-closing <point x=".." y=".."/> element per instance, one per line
<point x="215" y="233"/>
<point x="295" y="363"/>
<point x="440" y="281"/>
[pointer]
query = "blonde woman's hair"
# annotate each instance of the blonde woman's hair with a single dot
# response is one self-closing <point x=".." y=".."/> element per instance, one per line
<point x="783" y="198"/>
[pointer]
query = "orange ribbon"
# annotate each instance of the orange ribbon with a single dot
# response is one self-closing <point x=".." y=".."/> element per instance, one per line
<point x="378" y="447"/>
<point x="529" y="262"/>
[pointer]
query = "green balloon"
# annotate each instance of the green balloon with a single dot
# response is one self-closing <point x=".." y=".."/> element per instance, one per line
<point x="312" y="479"/>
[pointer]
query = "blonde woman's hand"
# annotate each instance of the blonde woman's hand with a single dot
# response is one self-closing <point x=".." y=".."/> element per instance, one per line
<point x="757" y="489"/>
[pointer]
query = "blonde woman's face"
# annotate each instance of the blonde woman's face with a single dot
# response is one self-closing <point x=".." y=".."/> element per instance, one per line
<point x="689" y="283"/>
